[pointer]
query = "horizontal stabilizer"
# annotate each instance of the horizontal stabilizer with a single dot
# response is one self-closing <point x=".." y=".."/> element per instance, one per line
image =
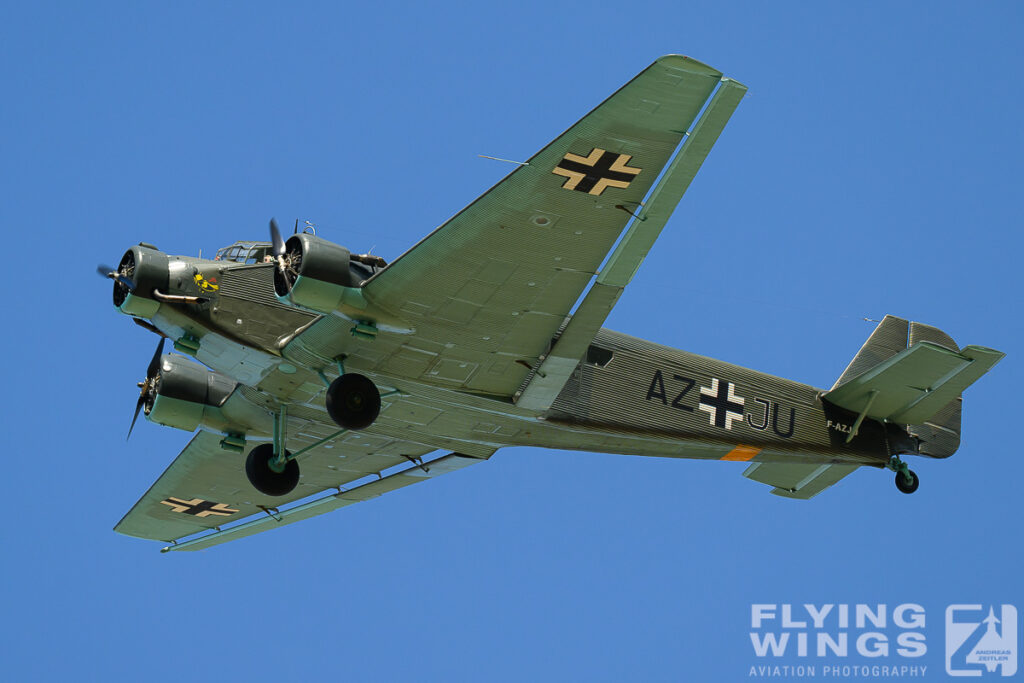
<point x="914" y="384"/>
<point x="797" y="480"/>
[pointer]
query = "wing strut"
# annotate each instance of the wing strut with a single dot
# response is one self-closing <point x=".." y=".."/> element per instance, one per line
<point x="863" y="413"/>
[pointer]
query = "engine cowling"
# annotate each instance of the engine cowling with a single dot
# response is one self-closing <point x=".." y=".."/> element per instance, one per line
<point x="147" y="267"/>
<point x="317" y="273"/>
<point x="186" y="395"/>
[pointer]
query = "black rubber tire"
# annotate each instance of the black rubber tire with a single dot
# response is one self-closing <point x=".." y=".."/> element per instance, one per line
<point x="266" y="480"/>
<point x="353" y="401"/>
<point x="907" y="486"/>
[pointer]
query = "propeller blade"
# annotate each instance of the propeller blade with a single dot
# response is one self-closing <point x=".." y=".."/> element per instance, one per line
<point x="138" y="407"/>
<point x="147" y="385"/>
<point x="108" y="272"/>
<point x="154" y="364"/>
<point x="275" y="238"/>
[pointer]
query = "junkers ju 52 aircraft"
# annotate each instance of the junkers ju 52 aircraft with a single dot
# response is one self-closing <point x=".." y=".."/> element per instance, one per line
<point x="333" y="377"/>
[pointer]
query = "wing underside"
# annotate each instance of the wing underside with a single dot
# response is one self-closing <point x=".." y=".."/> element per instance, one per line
<point x="206" y="488"/>
<point x="488" y="290"/>
<point x="333" y="501"/>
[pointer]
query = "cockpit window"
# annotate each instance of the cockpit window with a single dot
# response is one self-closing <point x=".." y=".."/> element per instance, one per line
<point x="245" y="252"/>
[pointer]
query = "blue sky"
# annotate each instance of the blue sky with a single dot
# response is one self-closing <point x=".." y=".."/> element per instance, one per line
<point x="874" y="168"/>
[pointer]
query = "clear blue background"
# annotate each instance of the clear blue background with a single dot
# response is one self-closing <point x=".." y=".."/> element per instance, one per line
<point x="874" y="168"/>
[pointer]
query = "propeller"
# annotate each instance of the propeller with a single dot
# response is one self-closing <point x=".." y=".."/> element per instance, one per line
<point x="115" y="275"/>
<point x="148" y="387"/>
<point x="278" y="250"/>
<point x="275" y="238"/>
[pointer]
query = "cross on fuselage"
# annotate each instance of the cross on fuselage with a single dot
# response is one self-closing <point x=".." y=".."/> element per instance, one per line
<point x="721" y="403"/>
<point x="602" y="169"/>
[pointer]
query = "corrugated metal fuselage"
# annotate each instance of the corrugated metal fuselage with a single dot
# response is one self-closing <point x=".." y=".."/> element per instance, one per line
<point x="628" y="396"/>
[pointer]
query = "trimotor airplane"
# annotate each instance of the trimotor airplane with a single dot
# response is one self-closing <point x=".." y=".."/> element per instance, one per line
<point x="334" y="376"/>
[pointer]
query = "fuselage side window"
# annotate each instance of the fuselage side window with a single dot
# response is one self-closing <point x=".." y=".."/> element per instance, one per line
<point x="599" y="356"/>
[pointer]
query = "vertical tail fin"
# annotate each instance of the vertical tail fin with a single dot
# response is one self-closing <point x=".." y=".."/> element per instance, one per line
<point x="888" y="339"/>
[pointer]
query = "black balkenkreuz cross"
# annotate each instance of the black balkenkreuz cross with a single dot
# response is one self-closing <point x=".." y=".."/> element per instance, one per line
<point x="199" y="507"/>
<point x="721" y="403"/>
<point x="593" y="173"/>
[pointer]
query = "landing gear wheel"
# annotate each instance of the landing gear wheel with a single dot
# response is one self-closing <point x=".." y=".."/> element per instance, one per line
<point x="353" y="401"/>
<point x="263" y="477"/>
<point x="907" y="481"/>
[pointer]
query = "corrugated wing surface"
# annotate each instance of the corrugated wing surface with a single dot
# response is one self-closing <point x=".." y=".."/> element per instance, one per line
<point x="492" y="285"/>
<point x="206" y="486"/>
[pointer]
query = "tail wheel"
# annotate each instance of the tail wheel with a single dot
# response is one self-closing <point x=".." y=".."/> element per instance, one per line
<point x="907" y="481"/>
<point x="264" y="478"/>
<point x="353" y="401"/>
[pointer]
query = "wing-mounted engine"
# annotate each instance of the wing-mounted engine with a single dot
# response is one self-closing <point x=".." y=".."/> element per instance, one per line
<point x="184" y="395"/>
<point x="180" y="393"/>
<point x="315" y="274"/>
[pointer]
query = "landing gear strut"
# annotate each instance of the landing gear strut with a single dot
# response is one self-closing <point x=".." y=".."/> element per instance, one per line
<point x="267" y="476"/>
<point x="270" y="467"/>
<point x="353" y="401"/>
<point x="906" y="479"/>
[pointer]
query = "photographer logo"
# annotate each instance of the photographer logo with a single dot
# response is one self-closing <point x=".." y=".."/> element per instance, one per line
<point x="981" y="640"/>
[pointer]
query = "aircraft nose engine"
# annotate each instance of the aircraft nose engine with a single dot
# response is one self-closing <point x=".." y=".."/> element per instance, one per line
<point x="143" y="269"/>
<point x="179" y="393"/>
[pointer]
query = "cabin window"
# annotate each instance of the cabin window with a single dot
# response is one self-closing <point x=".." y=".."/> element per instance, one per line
<point x="598" y="356"/>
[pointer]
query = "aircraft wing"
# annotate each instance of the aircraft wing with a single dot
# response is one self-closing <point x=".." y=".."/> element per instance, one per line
<point x="797" y="480"/>
<point x="205" y="488"/>
<point x="489" y="289"/>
